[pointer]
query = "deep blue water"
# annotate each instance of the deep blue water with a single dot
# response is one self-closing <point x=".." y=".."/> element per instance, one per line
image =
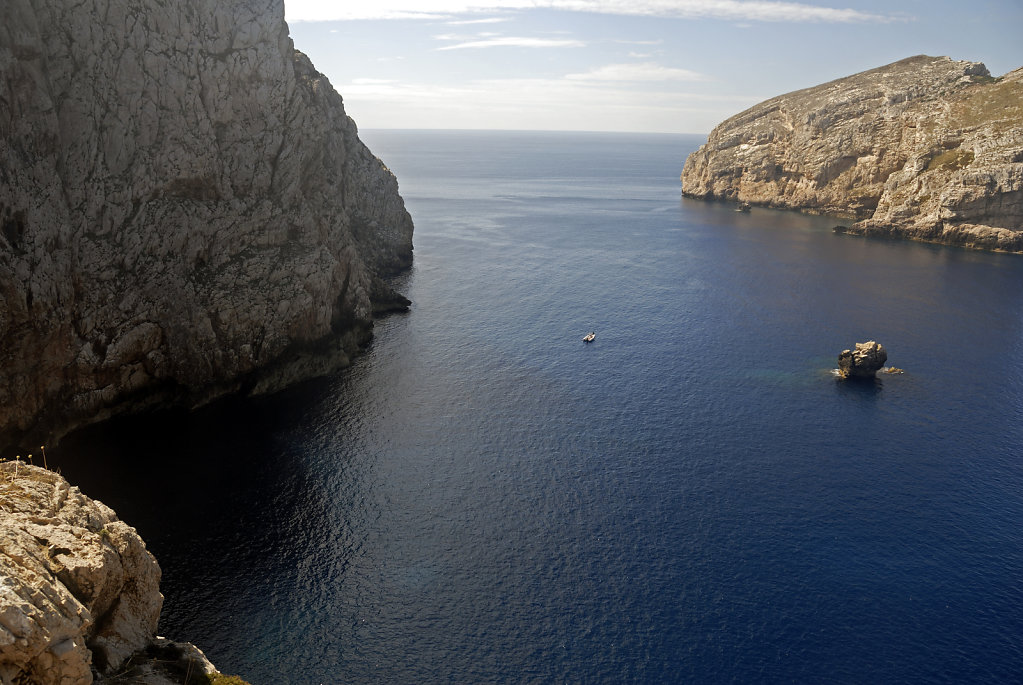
<point x="693" y="497"/>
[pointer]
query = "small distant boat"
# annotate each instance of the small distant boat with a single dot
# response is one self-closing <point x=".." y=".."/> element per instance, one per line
<point x="743" y="207"/>
<point x="589" y="337"/>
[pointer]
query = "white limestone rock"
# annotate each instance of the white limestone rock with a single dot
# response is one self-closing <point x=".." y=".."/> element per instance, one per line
<point x="926" y="148"/>
<point x="78" y="589"/>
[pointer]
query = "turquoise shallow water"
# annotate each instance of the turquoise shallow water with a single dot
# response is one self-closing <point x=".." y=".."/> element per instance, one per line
<point x="483" y="497"/>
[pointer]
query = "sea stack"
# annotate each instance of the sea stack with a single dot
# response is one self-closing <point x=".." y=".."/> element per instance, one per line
<point x="186" y="211"/>
<point x="926" y="148"/>
<point x="864" y="362"/>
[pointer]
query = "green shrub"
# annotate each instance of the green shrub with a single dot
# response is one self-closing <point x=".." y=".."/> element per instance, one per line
<point x="951" y="160"/>
<point x="221" y="679"/>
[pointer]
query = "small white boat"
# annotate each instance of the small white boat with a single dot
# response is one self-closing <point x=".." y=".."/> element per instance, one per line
<point x="589" y="337"/>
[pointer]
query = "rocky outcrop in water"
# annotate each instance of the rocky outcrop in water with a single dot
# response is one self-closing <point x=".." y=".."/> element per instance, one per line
<point x="185" y="210"/>
<point x="864" y="362"/>
<point x="926" y="148"/>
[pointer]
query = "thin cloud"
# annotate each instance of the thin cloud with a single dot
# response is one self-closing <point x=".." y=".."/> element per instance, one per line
<point x="642" y="71"/>
<point x="466" y="22"/>
<point x="734" y="10"/>
<point x="539" y="103"/>
<point x="539" y="91"/>
<point x="516" y="42"/>
<point x="399" y="92"/>
<point x="462" y="38"/>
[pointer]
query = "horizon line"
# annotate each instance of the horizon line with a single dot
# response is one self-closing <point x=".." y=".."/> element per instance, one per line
<point x="520" y="130"/>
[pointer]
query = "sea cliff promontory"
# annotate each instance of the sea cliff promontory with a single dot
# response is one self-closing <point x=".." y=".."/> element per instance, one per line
<point x="186" y="211"/>
<point x="926" y="148"/>
<point x="79" y="592"/>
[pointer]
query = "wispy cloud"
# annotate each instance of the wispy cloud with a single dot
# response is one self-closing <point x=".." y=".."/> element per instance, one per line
<point x="735" y="10"/>
<point x="537" y="103"/>
<point x="640" y="71"/>
<point x="515" y="42"/>
<point x="461" y="37"/>
<point x="638" y="42"/>
<point x="489" y="20"/>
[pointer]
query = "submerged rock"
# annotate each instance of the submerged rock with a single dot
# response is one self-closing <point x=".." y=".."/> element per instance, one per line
<point x="926" y="148"/>
<point x="186" y="211"/>
<point x="864" y="362"/>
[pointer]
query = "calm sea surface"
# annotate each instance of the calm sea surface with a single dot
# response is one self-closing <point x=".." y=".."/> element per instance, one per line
<point x="692" y="497"/>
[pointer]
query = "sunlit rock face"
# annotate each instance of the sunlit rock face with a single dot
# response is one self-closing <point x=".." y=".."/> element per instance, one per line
<point x="926" y="148"/>
<point x="185" y="210"/>
<point x="862" y="362"/>
<point x="79" y="592"/>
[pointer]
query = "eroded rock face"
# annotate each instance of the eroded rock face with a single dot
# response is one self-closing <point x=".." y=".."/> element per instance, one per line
<point x="864" y="362"/>
<point x="925" y="148"/>
<point x="78" y="589"/>
<point x="185" y="210"/>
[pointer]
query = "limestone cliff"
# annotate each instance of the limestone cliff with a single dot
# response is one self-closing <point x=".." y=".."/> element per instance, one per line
<point x="925" y="148"/>
<point x="79" y="591"/>
<point x="185" y="210"/>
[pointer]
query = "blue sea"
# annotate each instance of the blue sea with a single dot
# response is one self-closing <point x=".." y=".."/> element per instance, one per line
<point x="692" y="497"/>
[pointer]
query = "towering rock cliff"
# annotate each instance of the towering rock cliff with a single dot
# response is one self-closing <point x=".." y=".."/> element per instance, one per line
<point x="185" y="210"/>
<point x="925" y="148"/>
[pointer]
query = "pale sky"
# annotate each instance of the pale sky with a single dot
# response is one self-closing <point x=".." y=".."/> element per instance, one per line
<point x="670" y="66"/>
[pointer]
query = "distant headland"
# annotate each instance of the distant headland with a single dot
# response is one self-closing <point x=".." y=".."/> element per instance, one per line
<point x="926" y="148"/>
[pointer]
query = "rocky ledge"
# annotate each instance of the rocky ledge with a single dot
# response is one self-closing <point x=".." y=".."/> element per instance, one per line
<point x="926" y="148"/>
<point x="186" y="210"/>
<point x="79" y="592"/>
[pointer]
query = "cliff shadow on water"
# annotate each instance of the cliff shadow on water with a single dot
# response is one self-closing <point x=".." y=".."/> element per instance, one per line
<point x="215" y="493"/>
<point x="223" y="459"/>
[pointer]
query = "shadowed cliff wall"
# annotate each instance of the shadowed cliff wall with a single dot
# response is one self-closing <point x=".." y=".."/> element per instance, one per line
<point x="185" y="210"/>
